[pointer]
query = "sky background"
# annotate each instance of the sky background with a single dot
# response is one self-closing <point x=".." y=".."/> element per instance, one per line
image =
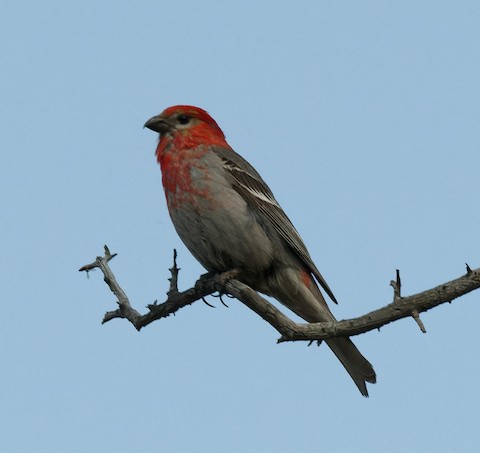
<point x="363" y="117"/>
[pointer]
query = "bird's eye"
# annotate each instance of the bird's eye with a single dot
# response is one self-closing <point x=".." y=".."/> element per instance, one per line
<point x="183" y="119"/>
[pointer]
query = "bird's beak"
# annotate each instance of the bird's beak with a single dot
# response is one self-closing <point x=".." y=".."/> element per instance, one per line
<point x="158" y="124"/>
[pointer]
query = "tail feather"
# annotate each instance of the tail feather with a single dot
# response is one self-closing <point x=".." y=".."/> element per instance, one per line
<point x="357" y="366"/>
<point x="296" y="289"/>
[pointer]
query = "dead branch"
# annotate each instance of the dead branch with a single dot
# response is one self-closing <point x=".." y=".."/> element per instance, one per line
<point x="225" y="283"/>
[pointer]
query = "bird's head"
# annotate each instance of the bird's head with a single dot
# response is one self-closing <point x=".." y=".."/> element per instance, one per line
<point x="186" y="123"/>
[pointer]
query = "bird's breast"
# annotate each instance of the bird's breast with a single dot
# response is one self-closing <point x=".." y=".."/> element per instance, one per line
<point x="186" y="179"/>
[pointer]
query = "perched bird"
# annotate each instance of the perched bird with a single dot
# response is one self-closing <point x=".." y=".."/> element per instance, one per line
<point x="228" y="218"/>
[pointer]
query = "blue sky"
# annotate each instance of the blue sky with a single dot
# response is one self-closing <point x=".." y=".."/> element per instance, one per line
<point x="363" y="117"/>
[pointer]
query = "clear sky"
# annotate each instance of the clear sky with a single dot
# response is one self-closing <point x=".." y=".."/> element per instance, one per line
<point x="363" y="117"/>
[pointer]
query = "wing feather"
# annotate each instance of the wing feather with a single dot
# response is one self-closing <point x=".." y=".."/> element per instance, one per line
<point x="250" y="185"/>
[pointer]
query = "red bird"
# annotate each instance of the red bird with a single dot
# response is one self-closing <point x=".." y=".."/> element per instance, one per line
<point x="228" y="218"/>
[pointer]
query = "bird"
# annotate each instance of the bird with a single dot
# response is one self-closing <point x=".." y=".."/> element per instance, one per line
<point x="228" y="218"/>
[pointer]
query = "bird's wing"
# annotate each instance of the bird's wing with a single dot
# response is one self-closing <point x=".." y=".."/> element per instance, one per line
<point x="249" y="184"/>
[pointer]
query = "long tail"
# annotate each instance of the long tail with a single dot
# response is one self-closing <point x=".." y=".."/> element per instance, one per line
<point x="357" y="366"/>
<point x="297" y="290"/>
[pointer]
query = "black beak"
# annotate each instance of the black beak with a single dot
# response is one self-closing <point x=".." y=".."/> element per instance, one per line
<point x="158" y="124"/>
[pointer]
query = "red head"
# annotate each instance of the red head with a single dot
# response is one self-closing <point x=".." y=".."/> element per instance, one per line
<point x="185" y="127"/>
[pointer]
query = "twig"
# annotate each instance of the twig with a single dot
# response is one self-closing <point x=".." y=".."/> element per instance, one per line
<point x="397" y="287"/>
<point x="174" y="278"/>
<point x="417" y="319"/>
<point x="207" y="284"/>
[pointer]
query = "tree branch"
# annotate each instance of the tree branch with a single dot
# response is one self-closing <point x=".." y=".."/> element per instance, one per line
<point x="205" y="285"/>
<point x="225" y="283"/>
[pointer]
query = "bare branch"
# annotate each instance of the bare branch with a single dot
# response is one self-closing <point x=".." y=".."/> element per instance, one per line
<point x="401" y="308"/>
<point x="417" y="319"/>
<point x="174" y="270"/>
<point x="397" y="287"/>
<point x="125" y="310"/>
<point x="207" y="284"/>
<point x="225" y="283"/>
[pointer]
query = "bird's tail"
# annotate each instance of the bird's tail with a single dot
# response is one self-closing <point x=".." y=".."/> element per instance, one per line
<point x="357" y="366"/>
<point x="297" y="290"/>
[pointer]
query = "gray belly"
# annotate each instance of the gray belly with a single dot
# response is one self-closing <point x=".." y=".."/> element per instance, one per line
<point x="228" y="238"/>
